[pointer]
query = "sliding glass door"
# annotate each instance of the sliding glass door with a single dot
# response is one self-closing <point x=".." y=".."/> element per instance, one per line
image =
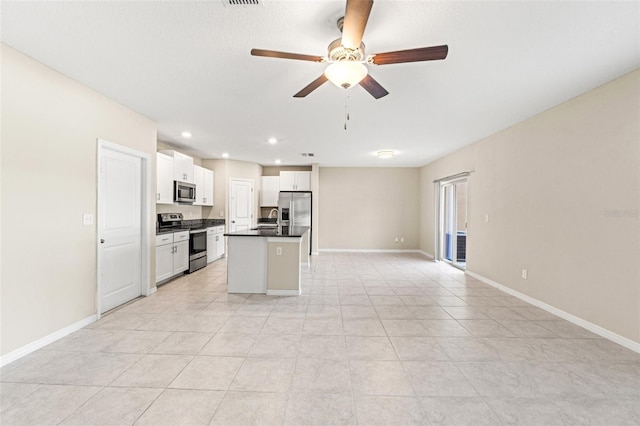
<point x="452" y="227"/>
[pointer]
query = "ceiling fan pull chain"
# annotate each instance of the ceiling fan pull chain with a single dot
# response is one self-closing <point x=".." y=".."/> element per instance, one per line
<point x="346" y="109"/>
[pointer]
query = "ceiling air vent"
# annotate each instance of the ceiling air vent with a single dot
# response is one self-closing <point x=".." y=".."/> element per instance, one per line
<point x="308" y="154"/>
<point x="243" y="2"/>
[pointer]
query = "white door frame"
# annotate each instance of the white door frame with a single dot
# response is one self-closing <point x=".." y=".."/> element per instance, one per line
<point x="145" y="219"/>
<point x="253" y="207"/>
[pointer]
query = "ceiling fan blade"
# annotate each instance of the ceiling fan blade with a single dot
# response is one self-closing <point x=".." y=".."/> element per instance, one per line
<point x="311" y="86"/>
<point x="432" y="53"/>
<point x="373" y="87"/>
<point x="356" y="16"/>
<point x="285" y="55"/>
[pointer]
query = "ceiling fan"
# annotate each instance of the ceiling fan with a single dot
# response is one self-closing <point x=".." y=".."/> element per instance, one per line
<point x="346" y="55"/>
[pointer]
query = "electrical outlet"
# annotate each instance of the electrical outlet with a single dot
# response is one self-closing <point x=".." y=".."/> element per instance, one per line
<point x="486" y="218"/>
<point x="396" y="239"/>
<point x="524" y="274"/>
<point x="402" y="239"/>
<point x="278" y="251"/>
<point x="221" y="213"/>
<point x="87" y="219"/>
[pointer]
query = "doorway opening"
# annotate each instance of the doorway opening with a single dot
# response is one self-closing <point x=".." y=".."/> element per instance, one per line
<point x="451" y="226"/>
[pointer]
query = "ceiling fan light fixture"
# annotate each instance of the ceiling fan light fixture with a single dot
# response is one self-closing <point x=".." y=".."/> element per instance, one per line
<point x="386" y="154"/>
<point x="346" y="74"/>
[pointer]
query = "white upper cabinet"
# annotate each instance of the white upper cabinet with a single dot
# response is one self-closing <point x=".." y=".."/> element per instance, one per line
<point x="269" y="191"/>
<point x="295" y="181"/>
<point x="203" y="178"/>
<point x="182" y="166"/>
<point x="164" y="183"/>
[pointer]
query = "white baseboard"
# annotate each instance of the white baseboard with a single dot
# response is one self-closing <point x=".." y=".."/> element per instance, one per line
<point x="424" y="253"/>
<point x="46" y="340"/>
<point x="151" y="290"/>
<point x="607" y="334"/>
<point x="284" y="292"/>
<point x="368" y="251"/>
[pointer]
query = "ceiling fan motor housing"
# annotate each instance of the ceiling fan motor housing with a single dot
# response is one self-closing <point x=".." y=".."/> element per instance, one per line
<point x="337" y="52"/>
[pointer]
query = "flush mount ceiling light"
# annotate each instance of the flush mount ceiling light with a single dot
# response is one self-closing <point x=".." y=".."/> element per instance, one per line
<point x="273" y="141"/>
<point x="346" y="74"/>
<point x="386" y="154"/>
<point x="277" y="161"/>
<point x="225" y="155"/>
<point x="186" y="134"/>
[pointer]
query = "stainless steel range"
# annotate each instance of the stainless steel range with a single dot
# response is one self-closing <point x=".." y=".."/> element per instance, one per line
<point x="197" y="238"/>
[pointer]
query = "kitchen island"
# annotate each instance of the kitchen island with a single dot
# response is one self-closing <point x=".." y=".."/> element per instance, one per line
<point x="267" y="260"/>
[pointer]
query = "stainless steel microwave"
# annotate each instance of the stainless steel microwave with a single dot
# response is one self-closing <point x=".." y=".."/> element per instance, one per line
<point x="184" y="193"/>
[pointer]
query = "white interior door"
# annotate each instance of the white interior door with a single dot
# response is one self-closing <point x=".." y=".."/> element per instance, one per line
<point x="240" y="204"/>
<point x="119" y="228"/>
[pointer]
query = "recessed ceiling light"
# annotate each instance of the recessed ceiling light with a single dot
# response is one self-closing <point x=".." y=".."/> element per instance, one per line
<point x="186" y="134"/>
<point x="273" y="141"/>
<point x="386" y="154"/>
<point x="225" y="155"/>
<point x="277" y="161"/>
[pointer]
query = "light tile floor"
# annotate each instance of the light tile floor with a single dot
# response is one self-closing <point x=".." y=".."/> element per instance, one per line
<point x="374" y="339"/>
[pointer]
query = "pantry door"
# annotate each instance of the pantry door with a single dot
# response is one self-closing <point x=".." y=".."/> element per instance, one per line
<point x="240" y="204"/>
<point x="123" y="255"/>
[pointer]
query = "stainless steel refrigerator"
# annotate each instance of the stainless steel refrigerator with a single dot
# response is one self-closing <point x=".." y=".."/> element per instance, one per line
<point x="294" y="209"/>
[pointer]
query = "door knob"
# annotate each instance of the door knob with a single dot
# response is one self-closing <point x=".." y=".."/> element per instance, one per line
<point x="101" y="240"/>
<point x="233" y="221"/>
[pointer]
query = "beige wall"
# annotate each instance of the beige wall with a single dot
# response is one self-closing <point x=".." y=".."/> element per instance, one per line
<point x="225" y="170"/>
<point x="275" y="170"/>
<point x="50" y="125"/>
<point x="552" y="187"/>
<point x="367" y="208"/>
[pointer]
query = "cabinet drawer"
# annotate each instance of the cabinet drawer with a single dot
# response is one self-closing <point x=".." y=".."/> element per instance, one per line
<point x="163" y="239"/>
<point x="212" y="231"/>
<point x="219" y="229"/>
<point x="181" y="236"/>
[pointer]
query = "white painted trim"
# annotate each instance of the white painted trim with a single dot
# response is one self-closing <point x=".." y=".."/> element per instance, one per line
<point x="315" y="253"/>
<point x="145" y="213"/>
<point x="424" y="253"/>
<point x="368" y="251"/>
<point x="151" y="291"/>
<point x="607" y="334"/>
<point x="284" y="292"/>
<point x="46" y="340"/>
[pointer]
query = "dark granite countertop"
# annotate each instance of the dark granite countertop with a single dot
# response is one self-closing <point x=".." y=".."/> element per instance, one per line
<point x="188" y="225"/>
<point x="280" y="231"/>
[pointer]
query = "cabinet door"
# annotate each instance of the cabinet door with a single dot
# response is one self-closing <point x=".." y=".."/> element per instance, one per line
<point x="182" y="167"/>
<point x="198" y="179"/>
<point x="181" y="257"/>
<point x="269" y="192"/>
<point x="287" y="181"/>
<point x="164" y="262"/>
<point x="188" y="168"/>
<point x="303" y="181"/>
<point x="220" y="244"/>
<point x="164" y="182"/>
<point x="207" y="186"/>
<point x="211" y="247"/>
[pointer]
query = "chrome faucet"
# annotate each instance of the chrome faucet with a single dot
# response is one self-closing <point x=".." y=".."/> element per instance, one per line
<point x="271" y="212"/>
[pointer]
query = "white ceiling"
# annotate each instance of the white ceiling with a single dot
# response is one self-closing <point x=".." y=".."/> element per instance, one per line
<point x="187" y="66"/>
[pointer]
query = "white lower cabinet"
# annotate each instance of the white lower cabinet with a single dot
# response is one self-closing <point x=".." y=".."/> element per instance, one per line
<point x="215" y="243"/>
<point x="172" y="254"/>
